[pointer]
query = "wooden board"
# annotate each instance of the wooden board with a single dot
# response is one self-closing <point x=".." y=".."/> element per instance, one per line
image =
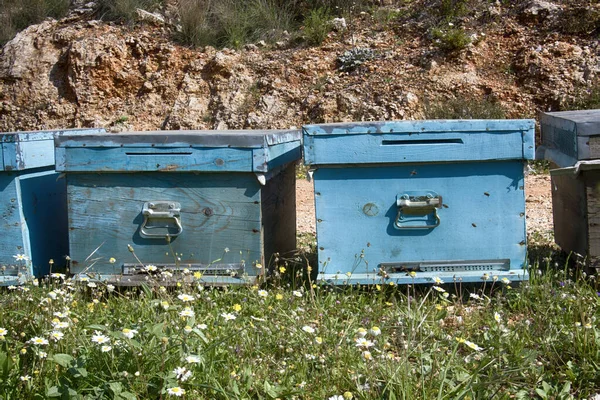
<point x="570" y="213"/>
<point x="218" y="212"/>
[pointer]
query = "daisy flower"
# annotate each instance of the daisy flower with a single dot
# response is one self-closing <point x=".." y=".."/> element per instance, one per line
<point x="100" y="339"/>
<point x="56" y="335"/>
<point x="129" y="333"/>
<point x="187" y="312"/>
<point x="438" y="281"/>
<point x="192" y="359"/>
<point x="106" y="348"/>
<point x="3" y="332"/>
<point x="150" y="268"/>
<point x="308" y="329"/>
<point x="297" y="293"/>
<point x="228" y="316"/>
<point x="38" y="341"/>
<point x="262" y="293"/>
<point x="362" y="342"/>
<point x="21" y="257"/>
<point x="473" y="346"/>
<point x="186" y="297"/>
<point x="375" y="331"/>
<point x="176" y="391"/>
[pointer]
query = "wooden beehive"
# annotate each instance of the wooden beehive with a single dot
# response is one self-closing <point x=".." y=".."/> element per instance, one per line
<point x="412" y="201"/>
<point x="215" y="203"/>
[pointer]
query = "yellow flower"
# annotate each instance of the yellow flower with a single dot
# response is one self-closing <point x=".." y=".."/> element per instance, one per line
<point x="23" y="351"/>
<point x="309" y="268"/>
<point x="258" y="265"/>
<point x="460" y="340"/>
<point x="237" y="307"/>
<point x="319" y="340"/>
<point x="412" y="274"/>
<point x="348" y="395"/>
<point x="282" y="270"/>
<point x="112" y="260"/>
<point x="197" y="275"/>
<point x="279" y="296"/>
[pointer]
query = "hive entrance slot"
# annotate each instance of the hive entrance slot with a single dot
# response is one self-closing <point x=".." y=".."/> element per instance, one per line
<point x="451" y="266"/>
<point x="205" y="269"/>
<point x="183" y="153"/>
<point x="420" y="141"/>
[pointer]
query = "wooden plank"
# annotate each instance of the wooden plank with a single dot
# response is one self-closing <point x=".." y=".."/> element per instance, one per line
<point x="592" y="193"/>
<point x="594" y="143"/>
<point x="414" y="147"/>
<point x="271" y="157"/>
<point x="146" y="158"/>
<point x="218" y="211"/>
<point x="569" y="211"/>
<point x="278" y="207"/>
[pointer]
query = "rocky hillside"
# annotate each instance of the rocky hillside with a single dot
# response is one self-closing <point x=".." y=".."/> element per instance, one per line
<point x="391" y="61"/>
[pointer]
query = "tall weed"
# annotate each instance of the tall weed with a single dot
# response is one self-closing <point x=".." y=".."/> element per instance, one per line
<point x="16" y="15"/>
<point x="125" y="10"/>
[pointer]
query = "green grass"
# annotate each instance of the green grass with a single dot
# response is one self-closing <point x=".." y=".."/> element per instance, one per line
<point x="311" y="341"/>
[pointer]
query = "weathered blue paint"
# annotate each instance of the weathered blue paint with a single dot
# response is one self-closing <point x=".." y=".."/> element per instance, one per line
<point x="367" y="234"/>
<point x="32" y="204"/>
<point x="223" y="203"/>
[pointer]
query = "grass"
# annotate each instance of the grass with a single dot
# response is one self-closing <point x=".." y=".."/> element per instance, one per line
<point x="18" y="15"/>
<point x="291" y="338"/>
<point x="464" y="107"/>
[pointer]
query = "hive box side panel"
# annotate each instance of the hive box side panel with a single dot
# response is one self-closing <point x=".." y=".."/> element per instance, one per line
<point x="592" y="186"/>
<point x="279" y="213"/>
<point x="44" y="200"/>
<point x="569" y="210"/>
<point x="12" y="240"/>
<point x="218" y="212"/>
<point x="481" y="225"/>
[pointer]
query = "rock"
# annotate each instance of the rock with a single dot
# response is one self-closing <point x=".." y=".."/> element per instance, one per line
<point x="146" y="16"/>
<point x="539" y="10"/>
<point x="339" y="24"/>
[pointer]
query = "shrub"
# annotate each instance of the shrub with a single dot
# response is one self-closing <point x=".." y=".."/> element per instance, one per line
<point x="317" y="25"/>
<point x="464" y="108"/>
<point x="586" y="99"/>
<point x="16" y="15"/>
<point x="450" y="40"/>
<point x="232" y="23"/>
<point x="124" y="10"/>
<point x="354" y="58"/>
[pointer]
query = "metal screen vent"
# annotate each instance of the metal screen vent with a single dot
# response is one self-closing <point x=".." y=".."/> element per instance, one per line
<point x="450" y="266"/>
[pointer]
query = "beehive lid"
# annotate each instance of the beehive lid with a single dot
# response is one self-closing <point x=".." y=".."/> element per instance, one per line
<point x="33" y="149"/>
<point x="170" y="151"/>
<point x="580" y="122"/>
<point x="418" y="141"/>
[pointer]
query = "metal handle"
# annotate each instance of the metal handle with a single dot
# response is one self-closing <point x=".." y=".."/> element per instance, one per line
<point x="413" y="206"/>
<point x="165" y="211"/>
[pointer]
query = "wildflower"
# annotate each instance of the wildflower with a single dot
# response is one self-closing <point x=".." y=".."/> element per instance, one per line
<point x="166" y="274"/>
<point x="226" y="249"/>
<point x="588" y="326"/>
<point x="56" y="335"/>
<point x="112" y="260"/>
<point x="187" y="312"/>
<point x="282" y="270"/>
<point x="473" y="345"/>
<point x="348" y="396"/>
<point x="150" y="268"/>
<point x="187" y="329"/>
<point x="336" y="397"/>
<point x="439" y="289"/>
<point x="52" y="295"/>
<point x="237" y="308"/>
<point x="262" y="293"/>
<point x="164" y="305"/>
<point x="176" y="391"/>
<point x="505" y="280"/>
<point x="348" y="274"/>
<point x="475" y="296"/>
<point x="12" y="287"/>
<point x="3" y="333"/>
<point x="186" y="297"/>
<point x="197" y="275"/>
<point x="367" y="355"/>
<point x="485" y="277"/>
<point x="57" y="275"/>
<point x="497" y="317"/>
<point x="297" y="293"/>
<point x="91" y="285"/>
<point x="42" y="354"/>
<point x="21" y="257"/>
<point x="319" y="340"/>
<point x="25" y="378"/>
<point x="129" y="333"/>
<point x="375" y="331"/>
<point x="110" y="287"/>
<point x="105" y="348"/>
<point x="192" y="359"/>
<point x="100" y="339"/>
<point x="308" y="329"/>
<point x="201" y="326"/>
<point x="38" y="341"/>
<point x="362" y="342"/>
<point x="362" y="332"/>
<point x="437" y="280"/>
<point x="258" y="265"/>
<point x="228" y="316"/>
<point x="23" y="351"/>
<point x="182" y="373"/>
<point x="279" y="296"/>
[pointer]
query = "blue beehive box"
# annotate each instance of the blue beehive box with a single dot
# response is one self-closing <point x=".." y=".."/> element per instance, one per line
<point x="215" y="203"/>
<point x="34" y="210"/>
<point x="441" y="199"/>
